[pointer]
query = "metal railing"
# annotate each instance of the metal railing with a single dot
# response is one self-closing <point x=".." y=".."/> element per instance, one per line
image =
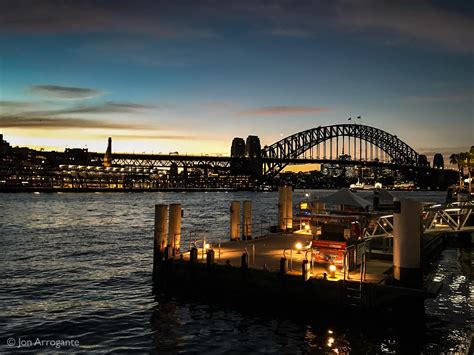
<point x="452" y="216"/>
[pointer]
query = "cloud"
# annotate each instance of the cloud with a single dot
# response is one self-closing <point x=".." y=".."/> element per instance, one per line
<point x="444" y="24"/>
<point x="445" y="151"/>
<point x="16" y="104"/>
<point x="11" y="117"/>
<point x="22" y="122"/>
<point x="151" y="137"/>
<point x="65" y="92"/>
<point x="141" y="17"/>
<point x="289" y="32"/>
<point x="103" y="108"/>
<point x="421" y="20"/>
<point x="442" y="98"/>
<point x="282" y="110"/>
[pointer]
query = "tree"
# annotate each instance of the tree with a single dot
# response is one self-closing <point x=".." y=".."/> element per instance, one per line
<point x="461" y="160"/>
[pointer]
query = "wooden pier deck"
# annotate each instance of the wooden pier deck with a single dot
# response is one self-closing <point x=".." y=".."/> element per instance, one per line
<point x="270" y="249"/>
<point x="263" y="284"/>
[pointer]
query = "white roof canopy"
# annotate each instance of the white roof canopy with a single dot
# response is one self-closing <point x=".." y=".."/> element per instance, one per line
<point x="345" y="197"/>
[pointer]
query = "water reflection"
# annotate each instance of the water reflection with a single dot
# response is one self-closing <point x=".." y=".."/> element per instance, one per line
<point x="78" y="266"/>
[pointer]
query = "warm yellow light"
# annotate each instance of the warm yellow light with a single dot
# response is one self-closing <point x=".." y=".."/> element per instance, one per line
<point x="307" y="227"/>
<point x="330" y="341"/>
<point x="332" y="270"/>
<point x="206" y="246"/>
<point x="304" y="224"/>
<point x="298" y="246"/>
<point x="332" y="267"/>
<point x="303" y="205"/>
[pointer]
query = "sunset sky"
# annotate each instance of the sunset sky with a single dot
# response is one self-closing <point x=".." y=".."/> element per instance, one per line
<point x="188" y="76"/>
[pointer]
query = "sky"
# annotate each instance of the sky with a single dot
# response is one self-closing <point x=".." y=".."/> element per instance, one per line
<point x="189" y="76"/>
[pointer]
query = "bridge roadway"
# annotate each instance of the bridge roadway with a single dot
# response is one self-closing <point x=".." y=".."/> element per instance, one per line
<point x="225" y="162"/>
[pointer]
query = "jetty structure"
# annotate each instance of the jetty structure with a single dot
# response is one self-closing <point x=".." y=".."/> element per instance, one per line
<point x="310" y="261"/>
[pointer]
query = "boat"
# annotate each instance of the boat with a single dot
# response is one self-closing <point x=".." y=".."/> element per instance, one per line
<point x="357" y="186"/>
<point x="363" y="186"/>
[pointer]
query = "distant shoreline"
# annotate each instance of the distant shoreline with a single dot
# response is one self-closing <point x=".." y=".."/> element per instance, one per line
<point x="79" y="190"/>
<point x="177" y="189"/>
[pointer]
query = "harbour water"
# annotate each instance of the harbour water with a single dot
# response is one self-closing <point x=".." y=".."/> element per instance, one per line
<point x="78" y="267"/>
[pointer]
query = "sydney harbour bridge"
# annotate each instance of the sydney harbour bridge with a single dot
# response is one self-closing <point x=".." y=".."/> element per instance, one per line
<point x="371" y="151"/>
<point x="343" y="144"/>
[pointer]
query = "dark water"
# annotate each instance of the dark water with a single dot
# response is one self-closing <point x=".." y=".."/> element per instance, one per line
<point x="78" y="267"/>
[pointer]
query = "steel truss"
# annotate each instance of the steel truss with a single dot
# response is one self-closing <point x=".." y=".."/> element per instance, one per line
<point x="297" y="144"/>
<point x="152" y="161"/>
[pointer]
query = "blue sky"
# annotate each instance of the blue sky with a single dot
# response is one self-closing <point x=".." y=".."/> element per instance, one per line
<point x="188" y="76"/>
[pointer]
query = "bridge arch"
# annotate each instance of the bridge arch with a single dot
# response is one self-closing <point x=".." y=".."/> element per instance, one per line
<point x="297" y="144"/>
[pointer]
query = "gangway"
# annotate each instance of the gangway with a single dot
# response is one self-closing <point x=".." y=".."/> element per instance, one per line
<point x="451" y="218"/>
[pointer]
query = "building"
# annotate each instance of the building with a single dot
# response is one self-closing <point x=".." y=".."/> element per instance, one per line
<point x="438" y="161"/>
<point x="252" y="147"/>
<point x="238" y="148"/>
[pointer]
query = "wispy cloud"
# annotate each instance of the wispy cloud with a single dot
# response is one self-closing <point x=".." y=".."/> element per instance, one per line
<point x="15" y="114"/>
<point x="65" y="92"/>
<point x="443" y="98"/>
<point x="422" y="20"/>
<point x="289" y="32"/>
<point x="142" y="17"/>
<point x="127" y="137"/>
<point x="427" y="20"/>
<point x="431" y="21"/>
<point x="22" y="122"/>
<point x="16" y="104"/>
<point x="103" y="108"/>
<point x="282" y="110"/>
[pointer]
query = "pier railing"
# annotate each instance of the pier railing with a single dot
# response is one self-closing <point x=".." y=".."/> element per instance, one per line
<point x="451" y="217"/>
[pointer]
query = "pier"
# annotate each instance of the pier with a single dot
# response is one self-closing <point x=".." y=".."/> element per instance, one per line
<point x="279" y="269"/>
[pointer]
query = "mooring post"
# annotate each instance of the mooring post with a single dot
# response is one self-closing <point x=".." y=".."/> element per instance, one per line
<point x="234" y="220"/>
<point x="174" y="229"/>
<point x="193" y="255"/>
<point x="168" y="252"/>
<point x="244" y="261"/>
<point x="253" y="255"/>
<point x="289" y="207"/>
<point x="305" y="270"/>
<point x="161" y="214"/>
<point x="247" y="220"/>
<point x="210" y="257"/>
<point x="283" y="266"/>
<point x="282" y="208"/>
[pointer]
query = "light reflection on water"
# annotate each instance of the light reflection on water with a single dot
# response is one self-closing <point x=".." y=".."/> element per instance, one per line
<point x="78" y="266"/>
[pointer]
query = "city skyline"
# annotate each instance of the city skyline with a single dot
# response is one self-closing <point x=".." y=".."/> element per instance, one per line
<point x="191" y="76"/>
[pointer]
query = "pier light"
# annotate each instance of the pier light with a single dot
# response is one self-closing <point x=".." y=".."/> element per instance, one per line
<point x="332" y="270"/>
<point x="298" y="247"/>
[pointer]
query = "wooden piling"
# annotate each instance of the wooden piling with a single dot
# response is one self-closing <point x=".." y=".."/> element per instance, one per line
<point x="174" y="230"/>
<point x="161" y="215"/>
